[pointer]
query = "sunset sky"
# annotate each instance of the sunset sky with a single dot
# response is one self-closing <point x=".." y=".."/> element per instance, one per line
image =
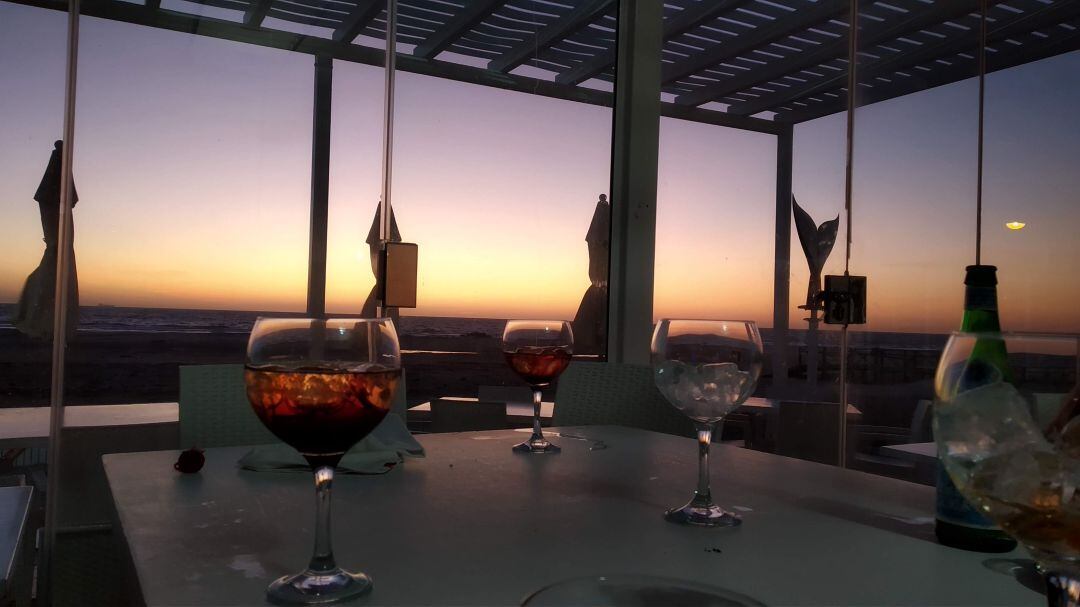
<point x="193" y="162"/>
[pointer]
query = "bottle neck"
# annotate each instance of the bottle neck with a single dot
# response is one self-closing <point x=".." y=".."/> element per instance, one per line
<point x="980" y="298"/>
<point x="980" y="309"/>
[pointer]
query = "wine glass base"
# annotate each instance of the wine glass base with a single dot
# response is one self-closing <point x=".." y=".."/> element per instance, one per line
<point x="318" y="588"/>
<point x="530" y="446"/>
<point x="702" y="515"/>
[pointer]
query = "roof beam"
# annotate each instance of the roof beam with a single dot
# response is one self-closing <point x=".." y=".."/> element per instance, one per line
<point x="965" y="41"/>
<point x="253" y="17"/>
<point x="1055" y="45"/>
<point x="676" y="26"/>
<point x="933" y="15"/>
<point x="358" y="19"/>
<point x="469" y="17"/>
<point x="569" y="23"/>
<point x="117" y="10"/>
<point x="757" y="38"/>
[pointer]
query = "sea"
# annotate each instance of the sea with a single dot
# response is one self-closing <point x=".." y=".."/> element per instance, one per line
<point x="119" y="319"/>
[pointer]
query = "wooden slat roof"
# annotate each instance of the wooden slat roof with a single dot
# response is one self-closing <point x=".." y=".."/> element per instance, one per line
<point x="751" y="64"/>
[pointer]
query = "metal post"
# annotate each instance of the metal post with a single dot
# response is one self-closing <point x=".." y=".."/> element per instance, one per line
<point x="64" y="256"/>
<point x="849" y="173"/>
<point x="385" y="208"/>
<point x="782" y="264"/>
<point x="320" y="186"/>
<point x="634" y="157"/>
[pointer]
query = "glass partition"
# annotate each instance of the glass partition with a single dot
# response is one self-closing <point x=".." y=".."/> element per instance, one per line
<point x="506" y="195"/>
<point x="914" y="198"/>
<point x="32" y="74"/>
<point x="192" y="160"/>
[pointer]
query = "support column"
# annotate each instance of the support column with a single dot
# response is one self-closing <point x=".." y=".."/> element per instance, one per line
<point x="634" y="157"/>
<point x="782" y="268"/>
<point x="320" y="186"/>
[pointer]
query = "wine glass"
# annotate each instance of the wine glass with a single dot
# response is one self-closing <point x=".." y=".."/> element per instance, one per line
<point x="1007" y="431"/>
<point x="705" y="368"/>
<point x="538" y="351"/>
<point x="321" y="386"/>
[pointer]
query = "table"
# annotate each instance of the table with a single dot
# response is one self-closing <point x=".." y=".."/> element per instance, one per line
<point x="14" y="511"/>
<point x="920" y="453"/>
<point x="474" y="524"/>
<point x="29" y="426"/>
<point x="522" y="412"/>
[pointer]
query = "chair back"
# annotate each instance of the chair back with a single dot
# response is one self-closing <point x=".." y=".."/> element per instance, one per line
<point x="594" y="393"/>
<point x="214" y="410"/>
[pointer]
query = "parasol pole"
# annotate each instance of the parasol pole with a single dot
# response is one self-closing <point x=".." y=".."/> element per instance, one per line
<point x="64" y="257"/>
<point x="385" y="208"/>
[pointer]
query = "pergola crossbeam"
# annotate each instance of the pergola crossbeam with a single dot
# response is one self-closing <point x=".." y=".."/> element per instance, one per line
<point x="253" y="17"/>
<point x="994" y="62"/>
<point x="313" y="45"/>
<point x="358" y="19"/>
<point x="932" y="15"/>
<point x="787" y="61"/>
<point x="562" y="27"/>
<point x="966" y="41"/>
<point x="758" y="38"/>
<point x="676" y="26"/>
<point x="470" y="15"/>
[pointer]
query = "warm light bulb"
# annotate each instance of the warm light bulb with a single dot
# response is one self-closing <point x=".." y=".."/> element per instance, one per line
<point x="1015" y="225"/>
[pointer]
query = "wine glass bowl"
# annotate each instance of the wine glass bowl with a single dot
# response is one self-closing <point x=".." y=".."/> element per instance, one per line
<point x="1006" y="425"/>
<point x="538" y="351"/>
<point x="321" y="385"/>
<point x="705" y="369"/>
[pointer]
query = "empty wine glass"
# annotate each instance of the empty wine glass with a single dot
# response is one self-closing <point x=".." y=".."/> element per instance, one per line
<point x="1007" y="426"/>
<point x="538" y="351"/>
<point x="321" y="386"/>
<point x="705" y="368"/>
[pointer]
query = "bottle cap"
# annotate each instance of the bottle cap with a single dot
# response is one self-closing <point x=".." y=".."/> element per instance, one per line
<point x="981" y="276"/>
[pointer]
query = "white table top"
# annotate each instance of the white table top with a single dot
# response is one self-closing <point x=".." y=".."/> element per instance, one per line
<point x="474" y="524"/>
<point x="547" y="408"/>
<point x="14" y="509"/>
<point x="29" y="426"/>
<point x="915" y="452"/>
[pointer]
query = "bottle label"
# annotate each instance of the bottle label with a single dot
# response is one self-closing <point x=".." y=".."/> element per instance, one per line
<point x="980" y="298"/>
<point x="953" y="507"/>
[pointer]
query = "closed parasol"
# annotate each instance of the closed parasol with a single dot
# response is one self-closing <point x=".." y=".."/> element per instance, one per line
<point x="34" y="313"/>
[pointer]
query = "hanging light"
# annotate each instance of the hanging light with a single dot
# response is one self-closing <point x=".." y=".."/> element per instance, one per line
<point x="1015" y="225"/>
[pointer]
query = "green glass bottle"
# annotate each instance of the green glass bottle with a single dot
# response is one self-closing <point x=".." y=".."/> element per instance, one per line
<point x="957" y="522"/>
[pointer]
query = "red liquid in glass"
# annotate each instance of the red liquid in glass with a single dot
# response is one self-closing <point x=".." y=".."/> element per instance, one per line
<point x="538" y="366"/>
<point x="321" y="413"/>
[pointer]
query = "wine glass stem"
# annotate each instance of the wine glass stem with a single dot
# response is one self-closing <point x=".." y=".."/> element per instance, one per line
<point x="538" y="433"/>
<point x="704" y="437"/>
<point x="323" y="559"/>
<point x="1062" y="590"/>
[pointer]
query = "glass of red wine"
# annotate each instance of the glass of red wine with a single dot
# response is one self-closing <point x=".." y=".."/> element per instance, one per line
<point x="538" y="351"/>
<point x="321" y="385"/>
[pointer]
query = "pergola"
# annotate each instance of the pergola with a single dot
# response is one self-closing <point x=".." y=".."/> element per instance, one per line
<point x="758" y="65"/>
